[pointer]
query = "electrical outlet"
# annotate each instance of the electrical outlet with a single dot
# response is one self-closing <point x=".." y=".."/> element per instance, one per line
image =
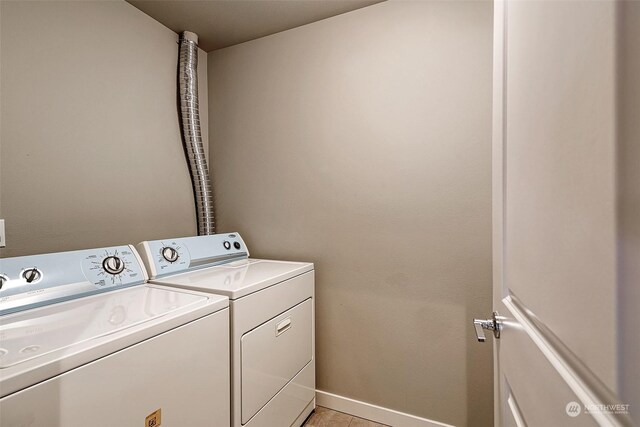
<point x="3" y="237"/>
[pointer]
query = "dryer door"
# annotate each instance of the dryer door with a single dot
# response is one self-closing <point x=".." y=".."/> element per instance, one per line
<point x="272" y="354"/>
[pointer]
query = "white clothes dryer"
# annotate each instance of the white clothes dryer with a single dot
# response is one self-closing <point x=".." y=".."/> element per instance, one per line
<point x="84" y="340"/>
<point x="272" y="321"/>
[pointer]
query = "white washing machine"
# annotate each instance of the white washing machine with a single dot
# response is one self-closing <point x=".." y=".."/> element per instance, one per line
<point x="272" y="321"/>
<point x="84" y="340"/>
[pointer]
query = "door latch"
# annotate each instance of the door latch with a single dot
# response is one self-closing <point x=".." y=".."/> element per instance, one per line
<point x="494" y="324"/>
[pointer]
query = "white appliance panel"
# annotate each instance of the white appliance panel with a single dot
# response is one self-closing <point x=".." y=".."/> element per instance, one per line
<point x="254" y="309"/>
<point x="272" y="360"/>
<point x="294" y="402"/>
<point x="239" y="278"/>
<point x="272" y="354"/>
<point x="250" y="312"/>
<point x="167" y="372"/>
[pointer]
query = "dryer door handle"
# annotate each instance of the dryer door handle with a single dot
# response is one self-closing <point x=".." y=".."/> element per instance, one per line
<point x="283" y="326"/>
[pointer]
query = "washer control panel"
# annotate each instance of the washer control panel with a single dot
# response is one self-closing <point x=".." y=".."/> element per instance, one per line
<point x="165" y="256"/>
<point x="178" y="255"/>
<point x="113" y="267"/>
<point x="31" y="281"/>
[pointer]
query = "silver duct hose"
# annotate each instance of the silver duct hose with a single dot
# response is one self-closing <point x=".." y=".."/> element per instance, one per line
<point x="191" y="134"/>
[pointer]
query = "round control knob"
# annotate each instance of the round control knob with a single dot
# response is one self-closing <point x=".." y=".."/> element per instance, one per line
<point x="236" y="245"/>
<point x="170" y="254"/>
<point x="3" y="279"/>
<point x="226" y="245"/>
<point x="113" y="265"/>
<point x="31" y="275"/>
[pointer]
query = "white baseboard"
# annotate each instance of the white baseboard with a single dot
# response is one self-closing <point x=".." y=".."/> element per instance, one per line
<point x="372" y="412"/>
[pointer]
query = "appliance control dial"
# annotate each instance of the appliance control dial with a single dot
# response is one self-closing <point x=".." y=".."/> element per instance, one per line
<point x="170" y="254"/>
<point x="3" y="280"/>
<point x="113" y="265"/>
<point x="226" y="245"/>
<point x="31" y="275"/>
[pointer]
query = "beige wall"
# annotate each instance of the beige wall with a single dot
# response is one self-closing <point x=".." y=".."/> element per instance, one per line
<point x="362" y="143"/>
<point x="90" y="148"/>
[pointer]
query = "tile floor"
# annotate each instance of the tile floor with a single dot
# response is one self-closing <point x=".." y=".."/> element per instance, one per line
<point x="324" y="417"/>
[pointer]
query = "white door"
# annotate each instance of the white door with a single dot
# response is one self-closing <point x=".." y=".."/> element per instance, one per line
<point x="566" y="212"/>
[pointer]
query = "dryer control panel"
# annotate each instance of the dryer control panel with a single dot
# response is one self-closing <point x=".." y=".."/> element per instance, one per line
<point x="36" y="280"/>
<point x="182" y="254"/>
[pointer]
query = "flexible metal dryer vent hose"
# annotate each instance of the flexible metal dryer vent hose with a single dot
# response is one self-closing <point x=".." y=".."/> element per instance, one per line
<point x="191" y="133"/>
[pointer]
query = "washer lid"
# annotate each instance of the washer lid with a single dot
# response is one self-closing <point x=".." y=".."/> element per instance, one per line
<point x="239" y="278"/>
<point x="41" y="332"/>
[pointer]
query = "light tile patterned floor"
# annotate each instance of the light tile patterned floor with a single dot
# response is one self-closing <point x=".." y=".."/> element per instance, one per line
<point x="324" y="417"/>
